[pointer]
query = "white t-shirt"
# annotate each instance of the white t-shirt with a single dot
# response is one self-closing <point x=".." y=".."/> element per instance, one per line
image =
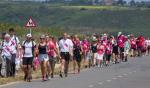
<point x="15" y="39"/>
<point x="65" y="45"/>
<point x="8" y="48"/>
<point x="28" y="48"/>
<point x="148" y="42"/>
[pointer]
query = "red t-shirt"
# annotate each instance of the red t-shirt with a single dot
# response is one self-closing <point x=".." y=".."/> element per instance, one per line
<point x="51" y="48"/>
<point x="133" y="43"/>
<point x="121" y="41"/>
<point x="85" y="46"/>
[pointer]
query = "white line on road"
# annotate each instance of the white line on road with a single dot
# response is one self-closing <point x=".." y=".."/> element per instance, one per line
<point x="100" y="83"/>
<point x="130" y="72"/>
<point x="90" y="86"/>
<point x="125" y="74"/>
<point x="108" y="80"/>
<point x="134" y="71"/>
<point x="119" y="76"/>
<point x="114" y="78"/>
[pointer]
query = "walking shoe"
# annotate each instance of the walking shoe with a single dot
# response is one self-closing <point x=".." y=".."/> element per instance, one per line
<point x="52" y="75"/>
<point x="47" y="77"/>
<point x="66" y="75"/>
<point x="25" y="78"/>
<point x="61" y="75"/>
<point x="44" y="78"/>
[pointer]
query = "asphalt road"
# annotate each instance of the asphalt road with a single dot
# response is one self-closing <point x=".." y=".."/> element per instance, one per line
<point x="132" y="74"/>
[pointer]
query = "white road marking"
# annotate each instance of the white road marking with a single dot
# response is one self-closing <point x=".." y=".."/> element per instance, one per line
<point x="134" y="71"/>
<point x="119" y="76"/>
<point x="114" y="78"/>
<point x="108" y="80"/>
<point x="125" y="74"/>
<point x="100" y="83"/>
<point x="90" y="86"/>
<point x="130" y="72"/>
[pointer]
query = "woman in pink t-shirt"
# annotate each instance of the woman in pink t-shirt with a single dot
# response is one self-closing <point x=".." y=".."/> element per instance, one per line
<point x="100" y="53"/>
<point x="133" y="45"/>
<point x="108" y="52"/>
<point x="85" y="49"/>
<point x="52" y="53"/>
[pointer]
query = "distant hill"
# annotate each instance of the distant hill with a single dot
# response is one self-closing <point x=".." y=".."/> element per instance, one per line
<point x="85" y="19"/>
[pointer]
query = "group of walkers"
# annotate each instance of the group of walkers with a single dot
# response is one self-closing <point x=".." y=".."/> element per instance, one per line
<point x="96" y="50"/>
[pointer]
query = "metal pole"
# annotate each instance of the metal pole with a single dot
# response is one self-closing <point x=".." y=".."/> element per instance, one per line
<point x="30" y="31"/>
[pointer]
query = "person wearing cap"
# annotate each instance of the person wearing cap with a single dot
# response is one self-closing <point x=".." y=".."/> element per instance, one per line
<point x="8" y="48"/>
<point x="28" y="48"/>
<point x="42" y="50"/>
<point x="15" y="39"/>
<point x="65" y="45"/>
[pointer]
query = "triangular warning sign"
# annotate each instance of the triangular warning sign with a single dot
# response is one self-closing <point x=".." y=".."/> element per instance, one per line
<point x="30" y="23"/>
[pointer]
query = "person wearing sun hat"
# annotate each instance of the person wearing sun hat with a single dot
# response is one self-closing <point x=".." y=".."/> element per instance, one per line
<point x="28" y="47"/>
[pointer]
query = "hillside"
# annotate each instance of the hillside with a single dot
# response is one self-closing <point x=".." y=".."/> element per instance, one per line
<point x="78" y="18"/>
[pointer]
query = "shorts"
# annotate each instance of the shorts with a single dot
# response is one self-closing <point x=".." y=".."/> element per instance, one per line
<point x="43" y="57"/>
<point x="126" y="51"/>
<point x="121" y="49"/>
<point x="27" y="60"/>
<point x="52" y="59"/>
<point x="99" y="56"/>
<point x="65" y="56"/>
<point x="108" y="57"/>
<point x="89" y="56"/>
<point x="115" y="50"/>
<point x="77" y="57"/>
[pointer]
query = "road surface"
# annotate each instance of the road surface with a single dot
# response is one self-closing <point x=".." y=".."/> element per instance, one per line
<point x="132" y="74"/>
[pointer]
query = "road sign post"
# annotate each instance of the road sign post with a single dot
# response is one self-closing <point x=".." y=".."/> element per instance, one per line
<point x="30" y="24"/>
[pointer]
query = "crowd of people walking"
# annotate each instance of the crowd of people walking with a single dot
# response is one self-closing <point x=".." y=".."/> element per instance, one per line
<point x="89" y="51"/>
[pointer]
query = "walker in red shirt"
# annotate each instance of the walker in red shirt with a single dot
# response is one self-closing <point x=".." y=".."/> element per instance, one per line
<point x="100" y="53"/>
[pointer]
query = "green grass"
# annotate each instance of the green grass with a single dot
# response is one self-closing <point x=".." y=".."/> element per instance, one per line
<point x="84" y="19"/>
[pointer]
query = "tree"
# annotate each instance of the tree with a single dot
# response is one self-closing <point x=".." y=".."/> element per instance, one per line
<point x="132" y="3"/>
<point x="120" y="2"/>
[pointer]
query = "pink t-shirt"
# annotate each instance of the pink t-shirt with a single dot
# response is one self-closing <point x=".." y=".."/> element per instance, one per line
<point x="85" y="46"/>
<point x="133" y="43"/>
<point x="121" y="41"/>
<point x="105" y="42"/>
<point x="51" y="48"/>
<point x="109" y="49"/>
<point x="141" y="41"/>
<point x="100" y="49"/>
